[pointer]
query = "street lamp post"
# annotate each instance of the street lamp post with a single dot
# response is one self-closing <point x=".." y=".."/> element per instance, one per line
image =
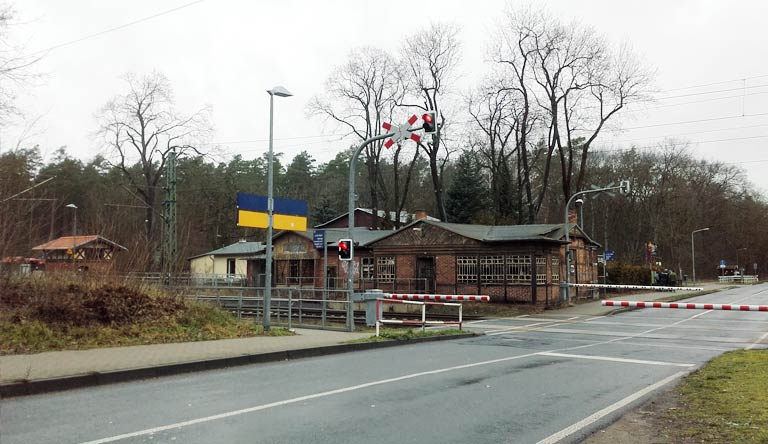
<point x="74" y="231"/>
<point x="623" y="187"/>
<point x="738" y="267"/>
<point x="693" y="253"/>
<point x="266" y="321"/>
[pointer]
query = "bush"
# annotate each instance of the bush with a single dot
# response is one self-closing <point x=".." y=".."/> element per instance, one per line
<point x="625" y="274"/>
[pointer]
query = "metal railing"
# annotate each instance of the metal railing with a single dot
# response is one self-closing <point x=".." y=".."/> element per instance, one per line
<point x="189" y="279"/>
<point x="290" y="307"/>
<point x="746" y="279"/>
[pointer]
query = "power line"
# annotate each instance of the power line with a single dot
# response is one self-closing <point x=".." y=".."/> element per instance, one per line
<point x="117" y="28"/>
<point x="715" y="91"/>
<point x="716" y="83"/>
<point x="608" y="150"/>
<point x="664" y="136"/>
<point x="234" y="142"/>
<point x="696" y="121"/>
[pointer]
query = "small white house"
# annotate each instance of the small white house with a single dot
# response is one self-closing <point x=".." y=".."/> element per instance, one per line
<point x="231" y="260"/>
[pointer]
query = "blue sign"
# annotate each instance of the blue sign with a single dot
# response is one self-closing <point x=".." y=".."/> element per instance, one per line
<point x="610" y="255"/>
<point x="722" y="263"/>
<point x="318" y="238"/>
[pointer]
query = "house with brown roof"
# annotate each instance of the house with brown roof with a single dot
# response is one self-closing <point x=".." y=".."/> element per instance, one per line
<point x="82" y="253"/>
<point x="510" y="263"/>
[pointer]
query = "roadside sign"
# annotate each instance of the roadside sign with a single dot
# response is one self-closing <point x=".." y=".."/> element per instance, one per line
<point x="318" y="238"/>
<point x="610" y="255"/>
<point x="722" y="263"/>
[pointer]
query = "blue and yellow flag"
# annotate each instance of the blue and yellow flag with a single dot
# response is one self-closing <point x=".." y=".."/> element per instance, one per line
<point x="288" y="214"/>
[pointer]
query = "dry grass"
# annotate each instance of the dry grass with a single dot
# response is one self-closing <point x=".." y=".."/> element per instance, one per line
<point x="62" y="312"/>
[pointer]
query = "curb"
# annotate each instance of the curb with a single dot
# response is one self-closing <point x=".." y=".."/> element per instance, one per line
<point x="39" y="386"/>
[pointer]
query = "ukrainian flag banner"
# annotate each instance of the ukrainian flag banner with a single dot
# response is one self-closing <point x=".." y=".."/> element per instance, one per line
<point x="288" y="214"/>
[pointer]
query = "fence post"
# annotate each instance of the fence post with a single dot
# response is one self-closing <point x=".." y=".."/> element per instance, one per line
<point x="460" y="315"/>
<point x="240" y="306"/>
<point x="423" y="317"/>
<point x="323" y="307"/>
<point x="300" y="297"/>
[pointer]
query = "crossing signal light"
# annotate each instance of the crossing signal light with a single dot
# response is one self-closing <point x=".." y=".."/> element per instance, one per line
<point x="345" y="249"/>
<point x="624" y="187"/>
<point x="430" y="122"/>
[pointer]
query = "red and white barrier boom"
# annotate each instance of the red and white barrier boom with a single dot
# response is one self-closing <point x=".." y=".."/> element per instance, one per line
<point x="689" y="306"/>
<point x="423" y="322"/>
<point x="439" y="297"/>
<point x="636" y="287"/>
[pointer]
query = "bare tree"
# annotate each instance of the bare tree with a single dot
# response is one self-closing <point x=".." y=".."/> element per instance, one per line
<point x="496" y="114"/>
<point x="360" y="96"/>
<point x="15" y="66"/>
<point x="141" y="128"/>
<point x="576" y="79"/>
<point x="430" y="58"/>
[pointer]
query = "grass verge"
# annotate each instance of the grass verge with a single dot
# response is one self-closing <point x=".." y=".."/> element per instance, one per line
<point x="55" y="314"/>
<point x="400" y="334"/>
<point x="726" y="401"/>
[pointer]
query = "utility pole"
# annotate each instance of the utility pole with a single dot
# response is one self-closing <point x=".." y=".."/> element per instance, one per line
<point x="169" y="218"/>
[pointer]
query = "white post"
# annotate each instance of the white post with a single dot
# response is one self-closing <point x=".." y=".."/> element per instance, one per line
<point x="423" y="317"/>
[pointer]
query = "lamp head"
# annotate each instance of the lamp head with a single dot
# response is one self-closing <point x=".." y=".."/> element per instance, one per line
<point x="279" y="91"/>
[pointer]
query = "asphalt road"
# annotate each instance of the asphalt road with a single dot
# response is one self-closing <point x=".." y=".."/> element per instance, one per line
<point x="541" y="379"/>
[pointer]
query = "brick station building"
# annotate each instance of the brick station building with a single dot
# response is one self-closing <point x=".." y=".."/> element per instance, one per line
<point x="298" y="263"/>
<point x="510" y="263"/>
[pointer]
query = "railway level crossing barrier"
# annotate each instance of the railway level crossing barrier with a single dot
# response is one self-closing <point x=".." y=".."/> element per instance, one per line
<point x="688" y="306"/>
<point x="423" y="322"/>
<point x="636" y="287"/>
<point x="371" y="308"/>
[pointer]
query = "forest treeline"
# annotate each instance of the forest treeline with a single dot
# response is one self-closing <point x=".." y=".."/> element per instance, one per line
<point x="511" y="149"/>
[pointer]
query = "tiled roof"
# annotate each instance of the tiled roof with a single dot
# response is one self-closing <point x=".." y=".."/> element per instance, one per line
<point x="506" y="233"/>
<point x="67" y="242"/>
<point x="363" y="236"/>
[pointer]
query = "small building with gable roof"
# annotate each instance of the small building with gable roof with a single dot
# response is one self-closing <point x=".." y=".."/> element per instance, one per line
<point x="82" y="253"/>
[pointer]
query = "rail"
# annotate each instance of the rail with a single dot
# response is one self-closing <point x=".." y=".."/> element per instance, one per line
<point x="423" y="322"/>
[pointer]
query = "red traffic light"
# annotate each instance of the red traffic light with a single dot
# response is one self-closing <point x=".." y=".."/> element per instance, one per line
<point x="345" y="249"/>
<point x="429" y="126"/>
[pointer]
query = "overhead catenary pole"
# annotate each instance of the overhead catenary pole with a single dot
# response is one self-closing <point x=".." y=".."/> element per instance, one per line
<point x="169" y="218"/>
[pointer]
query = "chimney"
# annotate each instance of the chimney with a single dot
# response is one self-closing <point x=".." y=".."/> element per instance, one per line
<point x="573" y="217"/>
<point x="420" y="214"/>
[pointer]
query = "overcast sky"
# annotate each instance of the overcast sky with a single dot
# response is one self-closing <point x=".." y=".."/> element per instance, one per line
<point x="226" y="53"/>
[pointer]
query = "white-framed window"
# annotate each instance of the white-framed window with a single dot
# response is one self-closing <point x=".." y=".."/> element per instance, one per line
<point x="366" y="267"/>
<point x="519" y="269"/>
<point x="555" y="261"/>
<point x="385" y="268"/>
<point x="541" y="270"/>
<point x="231" y="266"/>
<point x="492" y="269"/>
<point x="466" y="269"/>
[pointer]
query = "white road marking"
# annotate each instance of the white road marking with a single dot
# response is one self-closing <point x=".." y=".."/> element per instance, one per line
<point x="591" y="419"/>
<point x="758" y="342"/>
<point x="517" y="327"/>
<point x="609" y="358"/>
<point x="300" y="399"/>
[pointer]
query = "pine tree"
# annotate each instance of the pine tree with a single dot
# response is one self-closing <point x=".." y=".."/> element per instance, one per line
<point x="467" y="196"/>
